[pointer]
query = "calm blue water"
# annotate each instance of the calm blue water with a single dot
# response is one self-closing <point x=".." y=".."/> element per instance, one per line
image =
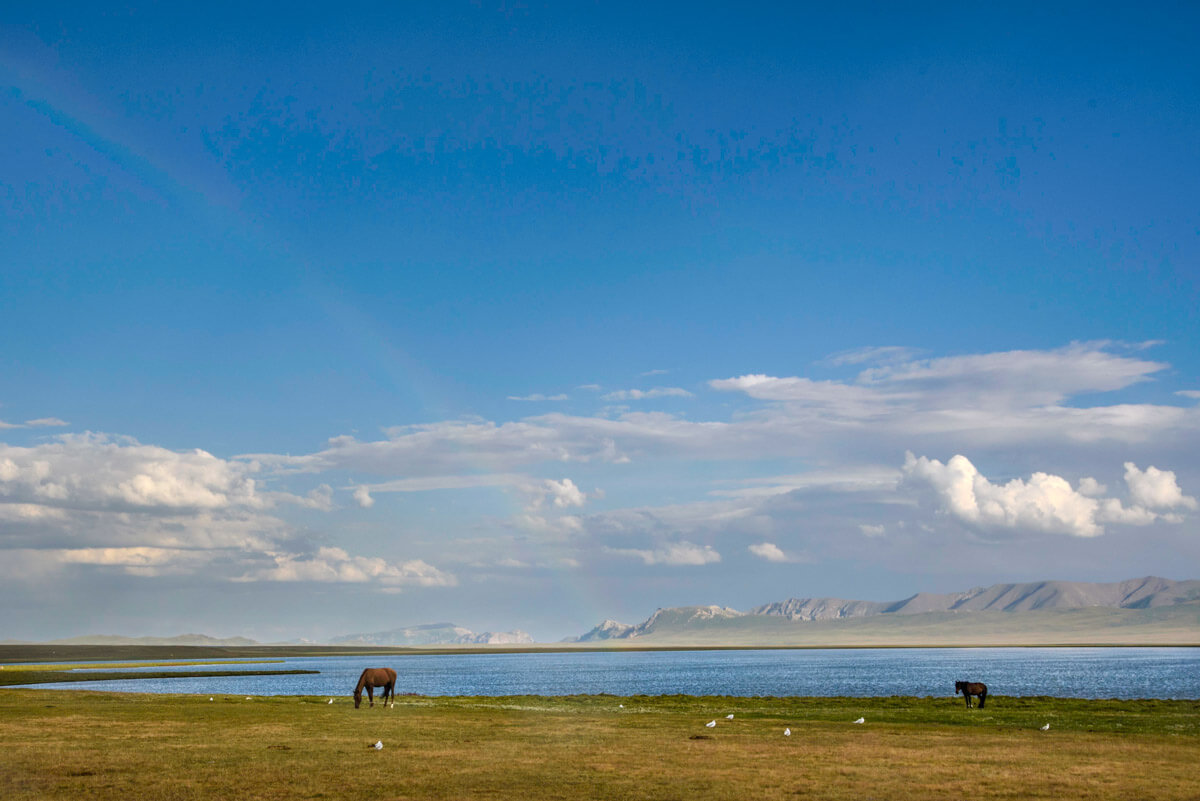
<point x="1063" y="672"/>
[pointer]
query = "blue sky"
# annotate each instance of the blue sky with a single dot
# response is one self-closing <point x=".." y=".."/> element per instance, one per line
<point x="524" y="317"/>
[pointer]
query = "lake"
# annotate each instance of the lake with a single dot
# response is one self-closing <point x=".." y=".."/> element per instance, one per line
<point x="1062" y="672"/>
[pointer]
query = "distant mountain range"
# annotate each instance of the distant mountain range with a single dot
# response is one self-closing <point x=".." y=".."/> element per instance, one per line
<point x="1139" y="610"/>
<point x="1145" y="611"/>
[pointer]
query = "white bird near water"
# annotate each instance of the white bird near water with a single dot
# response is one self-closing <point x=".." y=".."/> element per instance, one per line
<point x="379" y="745"/>
<point x="729" y="717"/>
<point x="861" y="720"/>
<point x="247" y="698"/>
<point x="787" y="732"/>
<point x="331" y="700"/>
<point x="712" y="724"/>
<point x="1046" y="727"/>
<point x="210" y="698"/>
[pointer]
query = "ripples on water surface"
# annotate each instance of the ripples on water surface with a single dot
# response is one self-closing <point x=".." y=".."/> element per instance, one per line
<point x="1064" y="672"/>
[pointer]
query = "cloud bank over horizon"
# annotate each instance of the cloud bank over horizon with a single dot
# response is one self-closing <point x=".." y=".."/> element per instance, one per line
<point x="106" y="502"/>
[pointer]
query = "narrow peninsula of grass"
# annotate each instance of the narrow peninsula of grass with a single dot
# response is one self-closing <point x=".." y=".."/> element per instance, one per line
<point x="119" y="665"/>
<point x="34" y="676"/>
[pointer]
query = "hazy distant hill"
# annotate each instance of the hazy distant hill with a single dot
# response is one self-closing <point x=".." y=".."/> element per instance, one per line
<point x="1146" y="610"/>
<point x="182" y="639"/>
<point x="434" y="634"/>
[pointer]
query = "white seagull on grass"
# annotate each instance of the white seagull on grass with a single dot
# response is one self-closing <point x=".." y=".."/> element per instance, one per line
<point x="729" y="717"/>
<point x="861" y="720"/>
<point x="379" y="745"/>
<point x="787" y="732"/>
<point x="1046" y="727"/>
<point x="712" y="724"/>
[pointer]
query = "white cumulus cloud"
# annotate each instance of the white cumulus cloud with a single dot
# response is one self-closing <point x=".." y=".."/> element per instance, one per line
<point x="99" y="472"/>
<point x="564" y="493"/>
<point x="1044" y="502"/>
<point x="1156" y="489"/>
<point x="362" y="496"/>
<point x="110" y="503"/>
<point x="769" y="551"/>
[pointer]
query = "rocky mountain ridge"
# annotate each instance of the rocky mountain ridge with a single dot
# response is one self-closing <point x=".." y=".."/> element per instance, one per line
<point x="1142" y="593"/>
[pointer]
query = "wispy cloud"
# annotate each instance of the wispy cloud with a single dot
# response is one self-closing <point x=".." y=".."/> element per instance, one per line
<point x="537" y="396"/>
<point x="41" y="422"/>
<point x="849" y="479"/>
<point x="646" y="394"/>
<point x="677" y="554"/>
<point x="335" y="565"/>
<point x="887" y="354"/>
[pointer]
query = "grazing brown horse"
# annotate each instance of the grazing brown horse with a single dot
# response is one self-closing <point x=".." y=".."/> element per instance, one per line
<point x="969" y="688"/>
<point x="372" y="678"/>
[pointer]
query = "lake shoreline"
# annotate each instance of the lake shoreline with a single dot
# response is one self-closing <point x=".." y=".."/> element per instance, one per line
<point x="1071" y="672"/>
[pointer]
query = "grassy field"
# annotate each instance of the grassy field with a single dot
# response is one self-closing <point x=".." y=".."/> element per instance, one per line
<point x="68" y="745"/>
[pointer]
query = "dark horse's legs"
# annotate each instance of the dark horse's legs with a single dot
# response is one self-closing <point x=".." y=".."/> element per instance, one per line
<point x="370" y="694"/>
<point x="982" y="698"/>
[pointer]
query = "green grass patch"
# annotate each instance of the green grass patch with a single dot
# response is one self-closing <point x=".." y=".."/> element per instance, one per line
<point x="60" y="745"/>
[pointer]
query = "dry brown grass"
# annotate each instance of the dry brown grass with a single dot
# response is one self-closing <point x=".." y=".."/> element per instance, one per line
<point x="60" y="745"/>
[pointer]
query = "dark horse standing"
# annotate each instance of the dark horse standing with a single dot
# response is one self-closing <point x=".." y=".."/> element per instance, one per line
<point x="969" y="688"/>
<point x="372" y="678"/>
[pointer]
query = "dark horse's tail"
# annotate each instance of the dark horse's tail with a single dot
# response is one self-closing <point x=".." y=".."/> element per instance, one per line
<point x="983" y="697"/>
